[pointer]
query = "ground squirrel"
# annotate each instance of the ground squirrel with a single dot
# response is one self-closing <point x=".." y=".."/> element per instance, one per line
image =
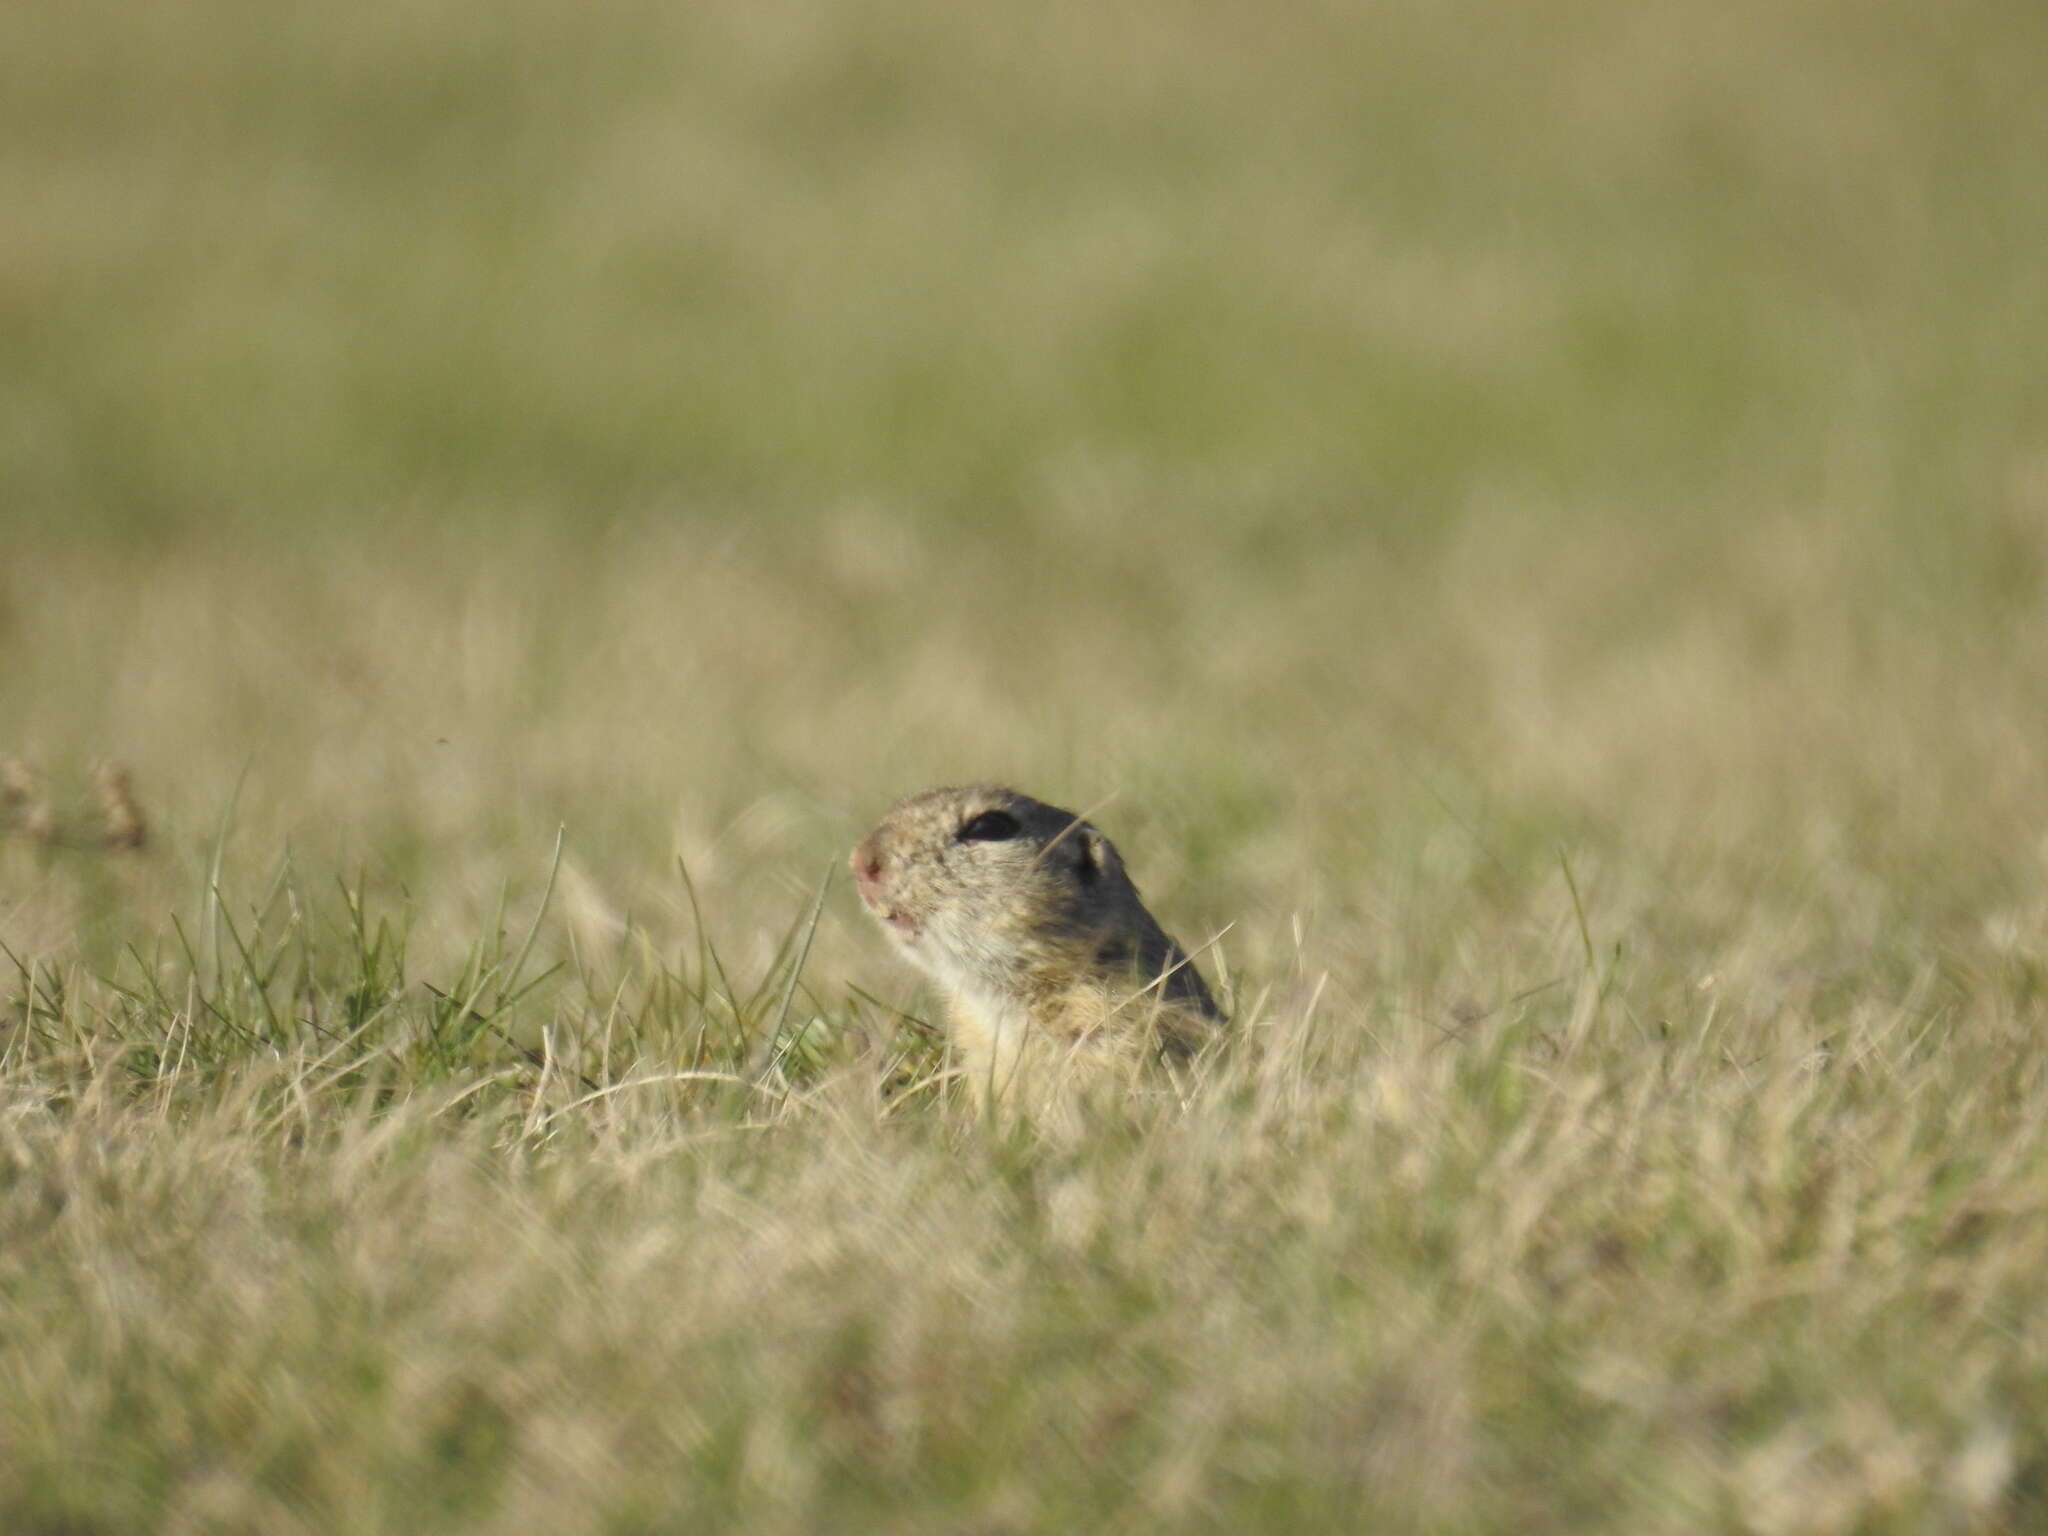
<point x="1023" y="915"/>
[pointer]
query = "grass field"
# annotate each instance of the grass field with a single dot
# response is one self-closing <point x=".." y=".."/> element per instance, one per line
<point x="1532" y="520"/>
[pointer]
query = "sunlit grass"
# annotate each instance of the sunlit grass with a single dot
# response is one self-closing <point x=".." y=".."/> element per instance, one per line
<point x="1532" y="522"/>
<point x="1631" y="1120"/>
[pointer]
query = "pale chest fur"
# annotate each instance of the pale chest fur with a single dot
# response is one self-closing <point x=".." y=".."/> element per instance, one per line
<point x="997" y="1034"/>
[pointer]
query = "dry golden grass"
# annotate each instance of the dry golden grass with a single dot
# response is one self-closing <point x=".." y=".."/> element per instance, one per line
<point x="507" y="1201"/>
<point x="1535" y="519"/>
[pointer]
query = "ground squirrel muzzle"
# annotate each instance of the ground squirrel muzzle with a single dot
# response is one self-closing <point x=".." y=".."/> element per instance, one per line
<point x="1024" y="916"/>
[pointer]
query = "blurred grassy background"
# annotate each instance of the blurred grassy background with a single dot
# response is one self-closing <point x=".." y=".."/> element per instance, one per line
<point x="1318" y="430"/>
<point x="1369" y="452"/>
<point x="286" y="264"/>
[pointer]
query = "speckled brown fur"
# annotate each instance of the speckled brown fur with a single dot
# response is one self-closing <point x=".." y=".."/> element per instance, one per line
<point x="1024" y="916"/>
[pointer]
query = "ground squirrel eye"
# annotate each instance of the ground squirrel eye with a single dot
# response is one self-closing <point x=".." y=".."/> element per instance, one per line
<point x="990" y="827"/>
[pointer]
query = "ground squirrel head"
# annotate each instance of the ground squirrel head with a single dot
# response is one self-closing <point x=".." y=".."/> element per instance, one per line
<point x="951" y="872"/>
<point x="1024" y="914"/>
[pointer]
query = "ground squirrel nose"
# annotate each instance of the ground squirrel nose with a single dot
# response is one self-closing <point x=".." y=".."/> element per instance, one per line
<point x="867" y="867"/>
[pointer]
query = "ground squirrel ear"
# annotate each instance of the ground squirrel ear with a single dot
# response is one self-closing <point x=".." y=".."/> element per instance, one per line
<point x="1097" y="856"/>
